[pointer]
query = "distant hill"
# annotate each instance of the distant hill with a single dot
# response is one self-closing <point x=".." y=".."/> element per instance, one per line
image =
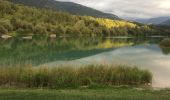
<point x="66" y="6"/>
<point x="155" y="21"/>
<point x="167" y="22"/>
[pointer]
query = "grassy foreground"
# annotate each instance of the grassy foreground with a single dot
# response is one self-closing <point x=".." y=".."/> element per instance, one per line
<point x="74" y="77"/>
<point x="85" y="94"/>
<point x="81" y="83"/>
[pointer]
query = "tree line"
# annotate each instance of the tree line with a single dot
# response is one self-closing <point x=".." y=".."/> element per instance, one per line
<point x="18" y="20"/>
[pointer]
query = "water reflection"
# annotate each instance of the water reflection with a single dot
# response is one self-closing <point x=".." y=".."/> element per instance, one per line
<point x="43" y="50"/>
<point x="165" y="51"/>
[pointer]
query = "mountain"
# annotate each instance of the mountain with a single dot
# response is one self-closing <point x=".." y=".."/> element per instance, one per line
<point x="155" y="21"/>
<point x="66" y="6"/>
<point x="167" y="22"/>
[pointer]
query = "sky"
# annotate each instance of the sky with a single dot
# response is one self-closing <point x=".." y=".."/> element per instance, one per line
<point x="129" y="8"/>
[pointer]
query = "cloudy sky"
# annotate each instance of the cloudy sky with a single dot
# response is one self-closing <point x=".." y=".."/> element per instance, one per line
<point x="129" y="8"/>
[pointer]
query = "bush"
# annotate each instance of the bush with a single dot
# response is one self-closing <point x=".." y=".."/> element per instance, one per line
<point x="165" y="42"/>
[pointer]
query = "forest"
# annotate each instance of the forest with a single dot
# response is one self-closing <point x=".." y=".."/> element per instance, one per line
<point x="19" y="20"/>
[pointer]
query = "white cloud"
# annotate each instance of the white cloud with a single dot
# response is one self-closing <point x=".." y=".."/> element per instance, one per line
<point x="129" y="8"/>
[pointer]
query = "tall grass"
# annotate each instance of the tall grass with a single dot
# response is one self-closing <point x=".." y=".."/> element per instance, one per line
<point x="63" y="77"/>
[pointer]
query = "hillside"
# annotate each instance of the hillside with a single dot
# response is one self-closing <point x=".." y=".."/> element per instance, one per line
<point x="22" y="20"/>
<point x="167" y="22"/>
<point x="155" y="21"/>
<point x="66" y="6"/>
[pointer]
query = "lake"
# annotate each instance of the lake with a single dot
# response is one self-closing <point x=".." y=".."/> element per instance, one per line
<point x="144" y="53"/>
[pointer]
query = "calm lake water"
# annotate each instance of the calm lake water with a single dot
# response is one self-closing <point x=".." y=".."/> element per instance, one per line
<point x="144" y="53"/>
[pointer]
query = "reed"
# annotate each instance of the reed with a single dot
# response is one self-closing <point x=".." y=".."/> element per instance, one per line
<point x="65" y="77"/>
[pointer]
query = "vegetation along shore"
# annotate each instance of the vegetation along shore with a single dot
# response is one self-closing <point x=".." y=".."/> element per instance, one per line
<point x="65" y="77"/>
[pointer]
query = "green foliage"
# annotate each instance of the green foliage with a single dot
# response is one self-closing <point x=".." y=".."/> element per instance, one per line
<point x="28" y="20"/>
<point x="58" y="77"/>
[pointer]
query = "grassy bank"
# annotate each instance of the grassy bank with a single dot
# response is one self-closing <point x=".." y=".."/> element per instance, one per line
<point x="64" y="77"/>
<point x="85" y="94"/>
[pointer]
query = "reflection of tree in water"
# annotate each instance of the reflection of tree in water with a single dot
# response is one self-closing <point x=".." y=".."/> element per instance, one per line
<point x="165" y="46"/>
<point x="38" y="51"/>
<point x="165" y="51"/>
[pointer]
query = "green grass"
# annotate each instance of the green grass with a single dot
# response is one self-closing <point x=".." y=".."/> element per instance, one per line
<point x="84" y="94"/>
<point x="66" y="77"/>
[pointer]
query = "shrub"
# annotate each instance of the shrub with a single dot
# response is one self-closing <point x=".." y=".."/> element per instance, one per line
<point x="165" y="42"/>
